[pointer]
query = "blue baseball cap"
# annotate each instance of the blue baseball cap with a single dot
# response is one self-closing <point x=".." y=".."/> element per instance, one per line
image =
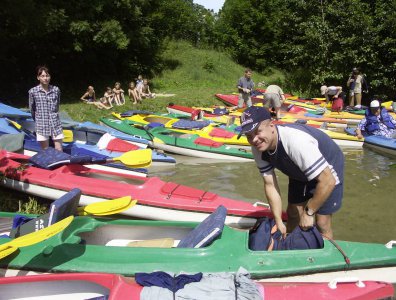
<point x="252" y="117"/>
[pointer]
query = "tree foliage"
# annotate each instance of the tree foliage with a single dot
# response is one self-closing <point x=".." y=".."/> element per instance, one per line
<point x="92" y="42"/>
<point x="102" y="41"/>
<point x="314" y="41"/>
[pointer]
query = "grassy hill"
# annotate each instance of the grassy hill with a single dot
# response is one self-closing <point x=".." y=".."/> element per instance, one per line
<point x="193" y="75"/>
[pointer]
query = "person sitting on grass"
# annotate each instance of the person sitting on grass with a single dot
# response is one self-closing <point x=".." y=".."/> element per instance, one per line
<point x="133" y="93"/>
<point x="89" y="96"/>
<point x="144" y="90"/>
<point x="106" y="102"/>
<point x="119" y="98"/>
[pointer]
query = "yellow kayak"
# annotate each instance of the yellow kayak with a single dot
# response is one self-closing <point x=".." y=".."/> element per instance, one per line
<point x="211" y="131"/>
<point x="344" y="139"/>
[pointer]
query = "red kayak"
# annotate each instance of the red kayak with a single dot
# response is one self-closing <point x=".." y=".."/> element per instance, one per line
<point x="115" y="287"/>
<point x="157" y="199"/>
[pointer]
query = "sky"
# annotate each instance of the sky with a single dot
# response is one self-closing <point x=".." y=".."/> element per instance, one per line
<point x="211" y="4"/>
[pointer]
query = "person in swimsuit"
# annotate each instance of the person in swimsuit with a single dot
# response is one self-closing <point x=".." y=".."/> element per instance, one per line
<point x="89" y="95"/>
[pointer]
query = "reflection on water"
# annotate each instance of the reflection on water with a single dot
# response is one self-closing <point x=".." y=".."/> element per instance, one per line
<point x="368" y="211"/>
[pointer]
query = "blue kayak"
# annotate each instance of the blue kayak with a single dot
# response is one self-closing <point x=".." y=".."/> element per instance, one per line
<point x="377" y="143"/>
<point x="381" y="144"/>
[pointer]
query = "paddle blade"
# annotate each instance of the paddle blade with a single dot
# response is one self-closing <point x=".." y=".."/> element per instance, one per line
<point x="42" y="234"/>
<point x="15" y="124"/>
<point x="108" y="207"/>
<point x="136" y="159"/>
<point x="68" y="136"/>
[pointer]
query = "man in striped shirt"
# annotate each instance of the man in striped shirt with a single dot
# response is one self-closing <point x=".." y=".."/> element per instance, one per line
<point x="311" y="160"/>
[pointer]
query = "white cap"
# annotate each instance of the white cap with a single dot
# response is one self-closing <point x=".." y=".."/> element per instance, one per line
<point x="374" y="104"/>
<point x="323" y="89"/>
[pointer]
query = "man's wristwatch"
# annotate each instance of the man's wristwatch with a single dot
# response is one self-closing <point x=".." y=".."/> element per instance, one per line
<point x="309" y="211"/>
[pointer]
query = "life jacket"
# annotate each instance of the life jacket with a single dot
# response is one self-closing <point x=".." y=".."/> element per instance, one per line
<point x="265" y="236"/>
<point x="373" y="123"/>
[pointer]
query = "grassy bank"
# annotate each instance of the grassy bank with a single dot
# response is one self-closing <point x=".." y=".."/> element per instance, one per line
<point x="192" y="75"/>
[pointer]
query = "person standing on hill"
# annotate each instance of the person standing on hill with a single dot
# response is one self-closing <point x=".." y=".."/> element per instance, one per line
<point x="44" y="101"/>
<point x="309" y="157"/>
<point x="245" y="88"/>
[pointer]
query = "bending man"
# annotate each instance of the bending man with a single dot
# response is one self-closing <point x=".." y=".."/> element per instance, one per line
<point x="311" y="160"/>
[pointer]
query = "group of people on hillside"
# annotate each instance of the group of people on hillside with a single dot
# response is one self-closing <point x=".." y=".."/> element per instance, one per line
<point x="137" y="91"/>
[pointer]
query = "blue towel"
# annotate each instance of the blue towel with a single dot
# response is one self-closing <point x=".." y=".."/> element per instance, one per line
<point x="162" y="279"/>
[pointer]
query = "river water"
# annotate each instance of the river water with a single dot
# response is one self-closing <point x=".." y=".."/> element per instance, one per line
<point x="368" y="213"/>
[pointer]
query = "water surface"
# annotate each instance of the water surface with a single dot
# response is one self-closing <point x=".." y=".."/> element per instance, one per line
<point x="368" y="213"/>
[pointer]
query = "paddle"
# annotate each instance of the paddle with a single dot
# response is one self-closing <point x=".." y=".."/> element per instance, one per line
<point x="108" y="207"/>
<point x="133" y="159"/>
<point x="68" y="134"/>
<point x="34" y="237"/>
<point x="51" y="158"/>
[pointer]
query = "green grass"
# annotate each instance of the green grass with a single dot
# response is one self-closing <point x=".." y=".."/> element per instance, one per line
<point x="193" y="75"/>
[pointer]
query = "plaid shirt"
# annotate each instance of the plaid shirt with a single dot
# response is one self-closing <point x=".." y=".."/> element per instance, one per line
<point x="44" y="107"/>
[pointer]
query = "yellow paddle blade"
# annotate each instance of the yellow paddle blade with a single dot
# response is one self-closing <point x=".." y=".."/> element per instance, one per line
<point x="136" y="158"/>
<point x="68" y="136"/>
<point x="6" y="250"/>
<point x="107" y="207"/>
<point x="40" y="235"/>
<point x="15" y="124"/>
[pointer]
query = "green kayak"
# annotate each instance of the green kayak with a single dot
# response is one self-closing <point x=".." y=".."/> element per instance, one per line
<point x="129" y="246"/>
<point x="181" y="143"/>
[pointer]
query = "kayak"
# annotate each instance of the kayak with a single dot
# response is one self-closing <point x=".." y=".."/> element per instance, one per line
<point x="115" y="287"/>
<point x="31" y="147"/>
<point x="13" y="112"/>
<point x="381" y="144"/>
<point x="182" y="143"/>
<point x="344" y="139"/>
<point x="215" y="114"/>
<point x="126" y="247"/>
<point x="85" y="142"/>
<point x="70" y="286"/>
<point x="157" y="199"/>
<point x="90" y="128"/>
<point x="232" y="100"/>
<point x="202" y="128"/>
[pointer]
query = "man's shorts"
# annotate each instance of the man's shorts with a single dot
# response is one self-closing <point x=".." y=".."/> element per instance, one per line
<point x="300" y="192"/>
<point x="273" y="99"/>
<point x="41" y="138"/>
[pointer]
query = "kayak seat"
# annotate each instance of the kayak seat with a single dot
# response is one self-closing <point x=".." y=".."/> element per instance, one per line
<point x="47" y="157"/>
<point x="207" y="231"/>
<point x="221" y="133"/>
<point x="207" y="142"/>
<point x="189" y="124"/>
<point x="154" y="125"/>
<point x="60" y="209"/>
<point x="131" y="113"/>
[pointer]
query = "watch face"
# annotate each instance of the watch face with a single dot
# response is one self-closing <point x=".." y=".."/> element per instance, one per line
<point x="309" y="211"/>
